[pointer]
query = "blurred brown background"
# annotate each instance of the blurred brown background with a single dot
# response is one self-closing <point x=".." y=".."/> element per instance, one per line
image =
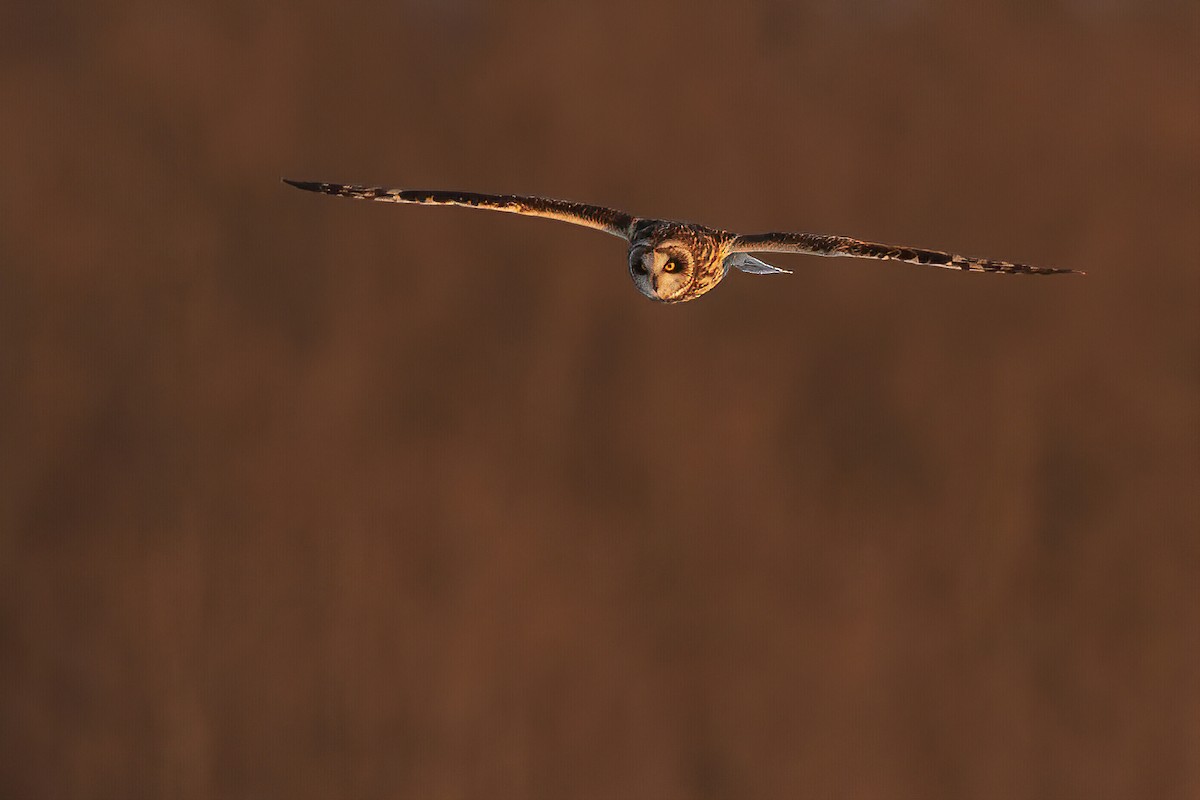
<point x="307" y="498"/>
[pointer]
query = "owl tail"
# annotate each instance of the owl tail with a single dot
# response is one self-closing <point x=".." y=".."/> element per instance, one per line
<point x="748" y="263"/>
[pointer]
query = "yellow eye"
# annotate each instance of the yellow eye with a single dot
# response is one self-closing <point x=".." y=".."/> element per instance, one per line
<point x="671" y="266"/>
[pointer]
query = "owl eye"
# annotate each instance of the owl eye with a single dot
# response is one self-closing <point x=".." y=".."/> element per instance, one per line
<point x="639" y="267"/>
<point x="672" y="266"/>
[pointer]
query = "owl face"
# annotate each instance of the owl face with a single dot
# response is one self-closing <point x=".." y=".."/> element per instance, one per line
<point x="664" y="271"/>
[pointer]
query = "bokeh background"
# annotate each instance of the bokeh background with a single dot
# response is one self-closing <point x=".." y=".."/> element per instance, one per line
<point x="307" y="498"/>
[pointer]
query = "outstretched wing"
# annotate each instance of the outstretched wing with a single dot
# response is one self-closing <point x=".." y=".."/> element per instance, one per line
<point x="817" y="244"/>
<point x="599" y="218"/>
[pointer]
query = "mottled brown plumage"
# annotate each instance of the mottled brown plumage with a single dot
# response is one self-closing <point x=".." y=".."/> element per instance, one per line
<point x="673" y="262"/>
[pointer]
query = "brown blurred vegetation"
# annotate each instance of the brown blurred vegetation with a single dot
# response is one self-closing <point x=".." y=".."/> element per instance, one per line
<point x="306" y="498"/>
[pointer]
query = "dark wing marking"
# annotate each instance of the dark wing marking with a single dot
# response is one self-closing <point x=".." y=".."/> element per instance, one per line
<point x="599" y="218"/>
<point x="817" y="244"/>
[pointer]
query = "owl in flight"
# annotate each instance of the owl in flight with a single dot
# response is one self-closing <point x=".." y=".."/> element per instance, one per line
<point x="673" y="262"/>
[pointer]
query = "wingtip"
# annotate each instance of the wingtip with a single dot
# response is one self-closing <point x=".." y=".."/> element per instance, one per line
<point x="1057" y="271"/>
<point x="308" y="186"/>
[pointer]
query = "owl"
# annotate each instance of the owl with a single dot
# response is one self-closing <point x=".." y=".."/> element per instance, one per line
<point x="673" y="262"/>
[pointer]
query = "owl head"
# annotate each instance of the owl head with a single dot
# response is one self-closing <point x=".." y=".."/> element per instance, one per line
<point x="663" y="271"/>
<point x="671" y="262"/>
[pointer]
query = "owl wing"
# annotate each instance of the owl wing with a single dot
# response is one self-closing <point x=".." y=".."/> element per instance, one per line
<point x="820" y="245"/>
<point x="598" y="218"/>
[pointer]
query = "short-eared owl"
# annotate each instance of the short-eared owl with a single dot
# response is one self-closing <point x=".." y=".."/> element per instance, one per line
<point x="673" y="262"/>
